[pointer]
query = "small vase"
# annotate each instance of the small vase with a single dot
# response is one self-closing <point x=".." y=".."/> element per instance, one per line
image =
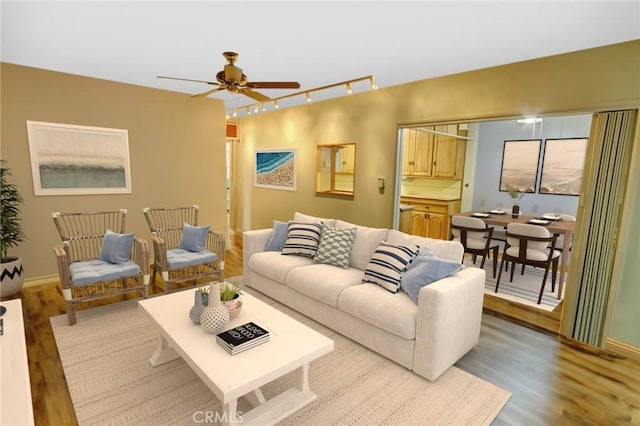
<point x="198" y="306"/>
<point x="215" y="316"/>
<point x="515" y="212"/>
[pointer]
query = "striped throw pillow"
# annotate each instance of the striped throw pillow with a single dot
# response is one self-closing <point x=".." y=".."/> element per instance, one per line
<point x="302" y="239"/>
<point x="387" y="265"/>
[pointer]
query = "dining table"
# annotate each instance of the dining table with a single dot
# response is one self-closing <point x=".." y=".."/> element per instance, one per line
<point x="557" y="227"/>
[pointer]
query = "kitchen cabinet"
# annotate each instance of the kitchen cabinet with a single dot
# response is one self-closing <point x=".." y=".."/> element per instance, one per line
<point x="346" y="159"/>
<point x="430" y="217"/>
<point x="417" y="157"/>
<point x="435" y="155"/>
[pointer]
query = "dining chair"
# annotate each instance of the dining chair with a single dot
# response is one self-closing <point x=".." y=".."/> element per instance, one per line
<point x="530" y="245"/>
<point x="97" y="259"/>
<point x="182" y="250"/>
<point x="476" y="238"/>
<point x="560" y="240"/>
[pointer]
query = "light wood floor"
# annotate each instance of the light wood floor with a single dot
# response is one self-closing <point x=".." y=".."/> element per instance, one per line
<point x="552" y="382"/>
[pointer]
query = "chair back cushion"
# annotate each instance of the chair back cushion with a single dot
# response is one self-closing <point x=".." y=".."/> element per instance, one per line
<point x="529" y="231"/>
<point x="469" y="222"/>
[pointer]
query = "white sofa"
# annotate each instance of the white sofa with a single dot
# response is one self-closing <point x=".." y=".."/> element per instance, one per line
<point x="427" y="337"/>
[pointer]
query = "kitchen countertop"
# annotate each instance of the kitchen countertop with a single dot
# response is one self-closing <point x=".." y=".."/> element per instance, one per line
<point x="432" y="197"/>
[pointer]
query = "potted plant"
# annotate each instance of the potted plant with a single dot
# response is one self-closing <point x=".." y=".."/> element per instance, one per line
<point x="230" y="295"/>
<point x="516" y="195"/>
<point x="12" y="272"/>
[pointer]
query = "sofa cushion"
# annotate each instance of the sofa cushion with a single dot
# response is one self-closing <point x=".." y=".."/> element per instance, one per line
<point x="335" y="246"/>
<point x="395" y="313"/>
<point x="278" y="236"/>
<point x="304" y="218"/>
<point x="302" y="239"/>
<point x="274" y="266"/>
<point x="387" y="265"/>
<point x="323" y="283"/>
<point x="426" y="269"/>
<point x="450" y="250"/>
<point x="364" y="244"/>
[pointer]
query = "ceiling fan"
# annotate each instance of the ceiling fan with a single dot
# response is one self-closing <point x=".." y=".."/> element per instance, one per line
<point x="233" y="80"/>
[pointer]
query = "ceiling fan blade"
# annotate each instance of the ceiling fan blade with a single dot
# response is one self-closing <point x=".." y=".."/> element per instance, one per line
<point x="255" y="95"/>
<point x="189" y="79"/>
<point x="208" y="92"/>
<point x="274" y="85"/>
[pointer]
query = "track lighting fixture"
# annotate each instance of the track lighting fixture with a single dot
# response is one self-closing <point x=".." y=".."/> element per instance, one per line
<point x="307" y="94"/>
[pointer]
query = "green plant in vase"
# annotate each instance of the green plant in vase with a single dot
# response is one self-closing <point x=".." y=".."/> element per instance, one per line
<point x="204" y="293"/>
<point x="516" y="195"/>
<point x="11" y="235"/>
<point x="230" y="297"/>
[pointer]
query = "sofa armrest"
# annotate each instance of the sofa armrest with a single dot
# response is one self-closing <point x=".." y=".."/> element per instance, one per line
<point x="253" y="241"/>
<point x="448" y="323"/>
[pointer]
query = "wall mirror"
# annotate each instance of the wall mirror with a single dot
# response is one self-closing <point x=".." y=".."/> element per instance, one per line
<point x="335" y="169"/>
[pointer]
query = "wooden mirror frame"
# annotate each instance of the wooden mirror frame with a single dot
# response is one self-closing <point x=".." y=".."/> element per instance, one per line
<point x="336" y="169"/>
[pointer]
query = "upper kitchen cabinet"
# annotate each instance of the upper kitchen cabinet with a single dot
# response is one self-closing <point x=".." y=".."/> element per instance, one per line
<point x="434" y="151"/>
<point x="336" y="166"/>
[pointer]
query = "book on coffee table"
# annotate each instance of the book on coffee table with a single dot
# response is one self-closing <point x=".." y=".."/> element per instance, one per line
<point x="242" y="337"/>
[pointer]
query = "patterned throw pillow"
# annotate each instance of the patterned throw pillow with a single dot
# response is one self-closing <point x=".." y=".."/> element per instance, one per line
<point x="387" y="265"/>
<point x="302" y="239"/>
<point x="335" y="246"/>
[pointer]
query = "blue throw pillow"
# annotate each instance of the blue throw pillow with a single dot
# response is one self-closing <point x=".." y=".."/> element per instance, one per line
<point x="278" y="237"/>
<point x="116" y="248"/>
<point x="426" y="270"/>
<point x="194" y="237"/>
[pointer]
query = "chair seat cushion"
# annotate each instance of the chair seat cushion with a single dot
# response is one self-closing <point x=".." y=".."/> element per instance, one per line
<point x="179" y="258"/>
<point x="93" y="271"/>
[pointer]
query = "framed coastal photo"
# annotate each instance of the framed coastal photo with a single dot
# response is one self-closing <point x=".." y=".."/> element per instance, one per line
<point x="68" y="159"/>
<point x="520" y="165"/>
<point x="276" y="169"/>
<point x="563" y="166"/>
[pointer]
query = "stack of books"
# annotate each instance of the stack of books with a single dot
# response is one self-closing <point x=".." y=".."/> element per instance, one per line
<point x="242" y="337"/>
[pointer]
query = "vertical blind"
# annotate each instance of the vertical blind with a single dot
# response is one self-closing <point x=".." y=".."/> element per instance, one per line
<point x="605" y="178"/>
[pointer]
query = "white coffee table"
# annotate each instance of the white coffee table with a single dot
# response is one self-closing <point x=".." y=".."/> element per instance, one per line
<point x="292" y="346"/>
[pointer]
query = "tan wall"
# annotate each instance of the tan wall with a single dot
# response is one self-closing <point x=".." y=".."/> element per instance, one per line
<point x="585" y="81"/>
<point x="176" y="146"/>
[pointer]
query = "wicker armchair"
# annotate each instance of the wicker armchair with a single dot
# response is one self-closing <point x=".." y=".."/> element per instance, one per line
<point x="84" y="273"/>
<point x="175" y="264"/>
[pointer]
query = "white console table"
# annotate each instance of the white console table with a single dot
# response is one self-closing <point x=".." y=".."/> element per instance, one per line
<point x="16" y="407"/>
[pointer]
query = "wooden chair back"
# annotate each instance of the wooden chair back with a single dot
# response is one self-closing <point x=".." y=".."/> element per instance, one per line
<point x="167" y="223"/>
<point x="83" y="232"/>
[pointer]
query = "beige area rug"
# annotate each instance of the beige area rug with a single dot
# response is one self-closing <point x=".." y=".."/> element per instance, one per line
<point x="105" y="360"/>
<point x="524" y="289"/>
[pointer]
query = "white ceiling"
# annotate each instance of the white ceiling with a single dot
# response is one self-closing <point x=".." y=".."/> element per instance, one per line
<point x="314" y="43"/>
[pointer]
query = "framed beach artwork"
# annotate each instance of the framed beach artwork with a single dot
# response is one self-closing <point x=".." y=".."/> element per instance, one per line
<point x="520" y="165"/>
<point x="69" y="159"/>
<point x="276" y="169"/>
<point x="563" y="166"/>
